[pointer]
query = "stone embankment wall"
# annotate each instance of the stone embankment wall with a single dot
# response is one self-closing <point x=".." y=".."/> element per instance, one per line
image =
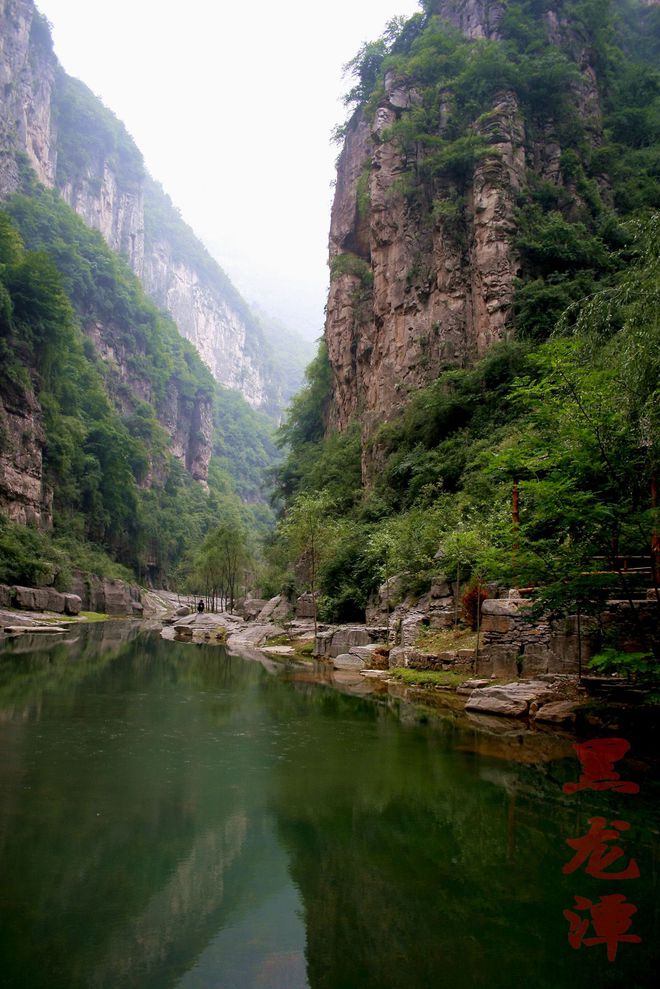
<point x="88" y="593"/>
<point x="513" y="641"/>
<point x="39" y="599"/>
<point x="110" y="597"/>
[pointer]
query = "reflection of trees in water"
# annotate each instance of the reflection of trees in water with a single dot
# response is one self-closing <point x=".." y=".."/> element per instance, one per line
<point x="422" y="865"/>
<point x="31" y="665"/>
<point x="126" y="848"/>
<point x="140" y="826"/>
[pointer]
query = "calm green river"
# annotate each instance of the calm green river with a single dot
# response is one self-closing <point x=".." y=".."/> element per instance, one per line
<point x="171" y="815"/>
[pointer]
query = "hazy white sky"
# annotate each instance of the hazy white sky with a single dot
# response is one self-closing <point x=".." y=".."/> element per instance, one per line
<point x="232" y="105"/>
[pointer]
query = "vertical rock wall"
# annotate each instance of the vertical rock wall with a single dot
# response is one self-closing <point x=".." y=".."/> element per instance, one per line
<point x="27" y="79"/>
<point x="422" y="278"/>
<point x="118" y="214"/>
<point x="24" y="498"/>
<point x="424" y="294"/>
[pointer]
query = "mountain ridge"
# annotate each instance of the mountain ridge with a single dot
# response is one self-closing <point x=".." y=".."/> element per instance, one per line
<point x="77" y="146"/>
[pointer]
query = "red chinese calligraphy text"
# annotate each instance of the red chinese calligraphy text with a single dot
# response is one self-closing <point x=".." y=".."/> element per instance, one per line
<point x="597" y="758"/>
<point x="610" y="918"/>
<point x="592" y="851"/>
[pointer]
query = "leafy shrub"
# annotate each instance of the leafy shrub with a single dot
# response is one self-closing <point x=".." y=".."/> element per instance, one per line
<point x="639" y="666"/>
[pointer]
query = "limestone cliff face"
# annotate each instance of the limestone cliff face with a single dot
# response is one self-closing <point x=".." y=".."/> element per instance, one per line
<point x="78" y="147"/>
<point x="118" y="214"/>
<point x="424" y="269"/>
<point x="27" y="78"/>
<point x="473" y="18"/>
<point x="204" y="317"/>
<point x="427" y="295"/>
<point x="24" y="497"/>
<point x="187" y="419"/>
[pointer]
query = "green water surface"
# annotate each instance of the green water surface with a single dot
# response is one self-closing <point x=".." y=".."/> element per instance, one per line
<point x="171" y="815"/>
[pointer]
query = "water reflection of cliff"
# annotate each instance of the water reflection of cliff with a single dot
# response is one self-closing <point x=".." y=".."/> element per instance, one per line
<point x="160" y="803"/>
<point x="32" y="665"/>
<point x="425" y="862"/>
<point x="125" y="848"/>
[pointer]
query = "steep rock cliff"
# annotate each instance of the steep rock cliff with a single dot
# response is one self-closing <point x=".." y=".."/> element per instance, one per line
<point x="27" y="79"/>
<point x="77" y="146"/>
<point x="426" y="295"/>
<point x="186" y="417"/>
<point x="182" y="278"/>
<point x="24" y="496"/>
<point x="473" y="18"/>
<point x="453" y="138"/>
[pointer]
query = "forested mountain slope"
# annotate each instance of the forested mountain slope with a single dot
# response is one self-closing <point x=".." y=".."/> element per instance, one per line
<point x="112" y="430"/>
<point x="118" y="449"/>
<point x="78" y="147"/>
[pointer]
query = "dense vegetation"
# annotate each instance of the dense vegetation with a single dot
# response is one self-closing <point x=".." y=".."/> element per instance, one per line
<point x="107" y="456"/>
<point x="566" y="410"/>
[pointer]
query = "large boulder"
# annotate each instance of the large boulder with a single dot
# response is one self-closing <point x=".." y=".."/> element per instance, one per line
<point x="72" y="604"/>
<point x="305" y="606"/>
<point x="411" y="626"/>
<point x="347" y="661"/>
<point x="6" y="596"/>
<point x="557" y="713"/>
<point x="105" y="595"/>
<point x="512" y="707"/>
<point x="498" y="614"/>
<point x="116" y="597"/>
<point x="367" y="653"/>
<point x="341" y="639"/>
<point x="274" y="610"/>
<point x="31" y="598"/>
<point x="254" y="635"/>
<point x="252" y="608"/>
<point x="56" y="601"/>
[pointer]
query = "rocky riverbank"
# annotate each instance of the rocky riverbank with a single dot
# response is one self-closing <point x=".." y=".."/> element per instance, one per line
<point x="513" y="670"/>
<point x="402" y="656"/>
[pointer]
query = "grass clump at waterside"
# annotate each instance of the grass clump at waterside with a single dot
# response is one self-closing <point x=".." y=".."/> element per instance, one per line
<point x="279" y="640"/>
<point x="442" y="640"/>
<point x="429" y="678"/>
<point x="302" y="648"/>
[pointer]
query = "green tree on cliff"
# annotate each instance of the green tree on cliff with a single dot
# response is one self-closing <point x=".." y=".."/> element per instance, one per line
<point x="308" y="530"/>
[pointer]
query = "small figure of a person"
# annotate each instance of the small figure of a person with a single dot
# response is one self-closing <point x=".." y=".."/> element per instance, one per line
<point x="200" y="606"/>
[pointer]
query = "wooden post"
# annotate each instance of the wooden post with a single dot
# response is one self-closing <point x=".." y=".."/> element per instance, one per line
<point x="515" y="524"/>
<point x="655" y="538"/>
<point x="476" y="653"/>
<point x="458" y="590"/>
<point x="579" y="638"/>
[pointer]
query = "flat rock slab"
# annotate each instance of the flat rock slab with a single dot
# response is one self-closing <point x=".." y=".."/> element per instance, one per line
<point x="497" y="705"/>
<point x="471" y="685"/>
<point x="511" y="699"/>
<point x="254" y="635"/>
<point x="557" y="713"/>
<point x="209" y="619"/>
<point x="36" y="629"/>
<point x="375" y="674"/>
<point x="366" y="652"/>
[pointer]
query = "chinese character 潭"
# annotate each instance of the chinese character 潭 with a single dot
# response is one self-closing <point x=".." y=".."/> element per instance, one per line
<point x="592" y="849"/>
<point x="610" y="917"/>
<point x="598" y="757"/>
